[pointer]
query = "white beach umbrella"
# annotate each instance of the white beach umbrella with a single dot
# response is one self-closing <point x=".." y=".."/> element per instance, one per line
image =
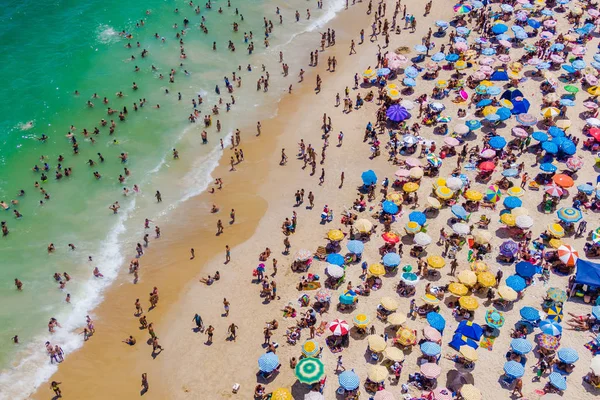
<point x="422" y="239"/>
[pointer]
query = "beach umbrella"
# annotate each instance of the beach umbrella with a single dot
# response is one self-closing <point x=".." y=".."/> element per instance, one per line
<point x="548" y="167"/>
<point x="486" y="102"/>
<point x="355" y="246"/>
<point x="512" y="202"/>
<point x="516" y="283"/>
<point x="441" y="24"/>
<point x="397" y="113"/>
<point x="377" y="373"/>
<point x="430" y="299"/>
<point x="406" y="337"/>
<point x="434" y="160"/>
<point x="558" y="381"/>
<point x="389" y="207"/>
<point x="493" y="193"/>
<point x="556" y="294"/>
<point x="402" y="173"/>
<point x="310" y="348"/>
<point x="509" y="248"/>
<point x="376" y="343"/>
<point x="310" y="370"/>
<point x="268" y="362"/>
<point x="436" y="321"/>
<point x="418" y="217"/>
<point x="412" y="227"/>
<point x="431" y="370"/>
<point x="410" y="278"/>
<point x="529" y="314"/>
<point x="596" y="237"/>
<point x="514" y="369"/>
<point x="550" y="112"/>
<point x="369" y="73"/>
<point x="396" y="318"/>
<point x="349" y="380"/>
<point x="486" y="279"/>
<point x="383" y="71"/>
<point x="481" y="236"/>
<point x="454" y="183"/>
<point x="555" y="313"/>
<point x="468" y="303"/>
<point x="515" y="191"/>
<point x="595" y="365"/>
<point x="568" y="255"/>
<point x="507" y="293"/>
<point x="323" y="296"/>
<point x="494" y="318"/>
<point x="459" y="211"/>
<point x="363" y="225"/>
<point x="550" y="328"/>
<point x="521" y="346"/>
<point x="281" y="394"/>
<point x="479" y="267"/>
<point x="383" y="395"/>
<point x="556" y="132"/>
<point x="461" y="229"/>
<point x="499" y="28"/>
<point x="437" y="57"/>
<point x="470" y="392"/>
<point x="339" y="327"/>
<point x="486" y="166"/>
<point x="410" y="187"/>
<point x="422" y="239"/>
<point x="369" y="177"/>
<point x="458" y="289"/>
<point x="376" y="269"/>
<point x="335" y="271"/>
<point x="335" y="235"/>
<point x="431" y="348"/>
<point x="436" y="262"/>
<point x="391" y="260"/>
<point x="391" y="237"/>
<point x="432" y="334"/>
<point x="393" y="353"/>
<point x="473" y="195"/>
<point x="467" y="277"/>
<point x="554" y="190"/>
<point x="556" y="230"/>
<point x="574" y="164"/>
<point x="569" y="214"/>
<point x="550" y="147"/>
<point x="525" y="269"/>
<point x="540" y="136"/>
<point x="389" y="303"/>
<point x="335" y="259"/>
<point x="347" y="298"/>
<point x="524" y="221"/>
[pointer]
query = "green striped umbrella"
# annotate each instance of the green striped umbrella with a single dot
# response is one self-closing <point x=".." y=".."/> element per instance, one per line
<point x="310" y="370"/>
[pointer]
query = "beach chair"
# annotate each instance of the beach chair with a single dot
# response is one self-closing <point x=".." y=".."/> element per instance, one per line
<point x="321" y="329"/>
<point x="321" y="253"/>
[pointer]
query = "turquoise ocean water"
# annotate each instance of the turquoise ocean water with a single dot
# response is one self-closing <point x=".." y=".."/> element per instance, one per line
<point x="52" y="49"/>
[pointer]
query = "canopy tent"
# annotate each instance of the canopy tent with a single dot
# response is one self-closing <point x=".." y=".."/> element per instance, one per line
<point x="499" y="75"/>
<point x="588" y="273"/>
<point x="520" y="103"/>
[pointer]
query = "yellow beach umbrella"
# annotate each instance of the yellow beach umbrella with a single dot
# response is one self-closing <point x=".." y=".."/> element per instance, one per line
<point x="439" y="182"/>
<point x="479" y="266"/>
<point x="410" y="187"/>
<point x="389" y="303"/>
<point x="481" y="236"/>
<point x="507" y="293"/>
<point x="517" y="212"/>
<point x="470" y="392"/>
<point x="469" y="353"/>
<point x="488" y="110"/>
<point x="441" y="84"/>
<point x="376" y="269"/>
<point x="433" y="202"/>
<point x="412" y="227"/>
<point x="369" y="73"/>
<point x="436" y="262"/>
<point x="444" y="192"/>
<point x="461" y="64"/>
<point x="486" y="83"/>
<point x="377" y="373"/>
<point x="376" y="343"/>
<point x="508" y="219"/>
<point x="515" y="191"/>
<point x="506" y="103"/>
<point x="391" y="86"/>
<point x="311" y="348"/>
<point x="550" y="112"/>
<point x="406" y="337"/>
<point x="473" y="195"/>
<point x="555" y="243"/>
<point x="430" y="299"/>
<point x="467" y="277"/>
<point x="395" y="198"/>
<point x="363" y="225"/>
<point x="514" y="75"/>
<point x="394" y="354"/>
<point x="594" y="90"/>
<point x="458" y="289"/>
<point x="335" y="234"/>
<point x="468" y="303"/>
<point x="486" y="279"/>
<point x="556" y="230"/>
<point x="515" y="66"/>
<point x="394" y="94"/>
<point x="361" y="321"/>
<point x="281" y="394"/>
<point x="396" y="318"/>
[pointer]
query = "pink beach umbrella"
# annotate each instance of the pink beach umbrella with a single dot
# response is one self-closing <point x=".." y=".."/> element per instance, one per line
<point x="534" y="61"/>
<point x="554" y="190"/>
<point x="556" y="58"/>
<point x="486" y="69"/>
<point x="505" y="43"/>
<point x="442" y="394"/>
<point x="463" y="94"/>
<point x="432" y="334"/>
<point x="488" y="153"/>
<point x="504" y="57"/>
<point x="339" y="327"/>
<point x="452" y="142"/>
<point x="479" y="76"/>
<point x="431" y="370"/>
<point x="592" y="80"/>
<point x="413" y="162"/>
<point x="549" y="23"/>
<point x="590" y="105"/>
<point x="486" y="61"/>
<point x="546" y="35"/>
<point x="402" y="173"/>
<point x="579" y="50"/>
<point x="520" y="132"/>
<point x="593" y="13"/>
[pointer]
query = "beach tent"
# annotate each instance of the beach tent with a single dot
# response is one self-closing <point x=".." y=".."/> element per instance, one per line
<point x="588" y="273"/>
<point x="499" y="75"/>
<point x="520" y="103"/>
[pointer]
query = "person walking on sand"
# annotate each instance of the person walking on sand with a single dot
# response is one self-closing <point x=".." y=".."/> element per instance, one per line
<point x="199" y="323"/>
<point x="524" y="180"/>
<point x="232" y="331"/>
<point x="339" y="365"/>
<point x="226" y="307"/>
<point x="158" y="196"/>
<point x="342" y="180"/>
<point x="219" y="227"/>
<point x="322" y="177"/>
<point x="283" y="158"/>
<point x="232" y="216"/>
<point x="210" y="331"/>
<point x="56" y="388"/>
<point x="227" y="254"/>
<point x="352" y="47"/>
<point x="193" y="254"/>
<point x="145" y="385"/>
<point x="518" y="389"/>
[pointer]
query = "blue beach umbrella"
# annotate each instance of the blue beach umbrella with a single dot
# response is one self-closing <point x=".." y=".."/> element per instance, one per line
<point x="369" y="177"/>
<point x="499" y="28"/>
<point x="473" y="124"/>
<point x="391" y="260"/>
<point x="470" y="330"/>
<point x="452" y="57"/>
<point x="503" y="36"/>
<point x="489" y="51"/>
<point x="492" y="117"/>
<point x="551" y="328"/>
<point x="568" y="147"/>
<point x="397" y="113"/>
<point x="525" y="269"/>
<point x="383" y="71"/>
<point x="595" y="64"/>
<point x="504" y="113"/>
<point x="418" y="217"/>
<point x="497" y="142"/>
<point x="511" y="202"/>
<point x="459" y="211"/>
<point x="534" y="23"/>
<point x="559" y="140"/>
<point x="597" y="57"/>
<point x="355" y="246"/>
<point x="544" y="65"/>
<point x="514" y="369"/>
<point x="336" y="259"/>
<point x="411" y="72"/>
<point x="550" y="147"/>
<point x="494" y="90"/>
<point x="442" y="24"/>
<point x="482" y="89"/>
<point x="586" y="188"/>
<point x="389" y="207"/>
<point x="431" y="349"/>
<point x="568" y="355"/>
<point x="510" y="173"/>
<point x="420" y="48"/>
<point x="521" y="346"/>
<point x="268" y="362"/>
<point x="521" y="35"/>
<point x="569" y="214"/>
<point x="548" y="167"/>
<point x="346" y="299"/>
<point x="569" y="69"/>
<point x="437" y="57"/>
<point x="567" y="102"/>
<point x="461" y="30"/>
<point x="516" y="283"/>
<point x="540" y="136"/>
<point x="529" y="314"/>
<point x="349" y="380"/>
<point x="517" y="28"/>
<point x="557" y="47"/>
<point x="410" y="82"/>
<point x="596" y="312"/>
<point x="556" y="132"/>
<point x="547" y="12"/>
<point x="578" y="64"/>
<point x="477" y="4"/>
<point x="436" y="321"/>
<point x="483" y="103"/>
<point x="558" y="381"/>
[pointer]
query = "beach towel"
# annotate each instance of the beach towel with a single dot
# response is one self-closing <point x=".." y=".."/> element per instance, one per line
<point x="311" y="286"/>
<point x="487" y="343"/>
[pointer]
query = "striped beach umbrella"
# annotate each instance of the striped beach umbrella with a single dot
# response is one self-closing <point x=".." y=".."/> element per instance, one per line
<point x="556" y="230"/>
<point x="310" y="370"/>
<point x="521" y="346"/>
<point x="554" y="190"/>
<point x="558" y="381"/>
<point x="568" y="355"/>
<point x="311" y="348"/>
<point x="361" y="320"/>
<point x="444" y="192"/>
<point x="555" y="313"/>
<point x="493" y="194"/>
<point x="323" y="296"/>
<point x="550" y="328"/>
<point x="339" y="327"/>
<point x="569" y="214"/>
<point x="514" y="369"/>
<point x="568" y="255"/>
<point x="494" y="318"/>
<point x="412" y="227"/>
<point x="268" y="362"/>
<point x="349" y="380"/>
<point x="431" y="349"/>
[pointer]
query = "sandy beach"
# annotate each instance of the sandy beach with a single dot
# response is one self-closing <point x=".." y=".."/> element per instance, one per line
<point x="262" y="193"/>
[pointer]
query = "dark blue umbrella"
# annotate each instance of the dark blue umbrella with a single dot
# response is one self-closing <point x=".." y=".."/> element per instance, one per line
<point x="497" y="142"/>
<point x="436" y="321"/>
<point x="391" y="260"/>
<point x="556" y="132"/>
<point x="483" y="103"/>
<point x="470" y="330"/>
<point x="512" y="202"/>
<point x="529" y="314"/>
<point x="389" y="207"/>
<point x="540" y="136"/>
<point x="459" y="211"/>
<point x="499" y="28"/>
<point x="535" y="24"/>
<point x="397" y="113"/>
<point x="516" y="283"/>
<point x="418" y="217"/>
<point x="525" y="269"/>
<point x="550" y="147"/>
<point x="336" y="259"/>
<point x="548" y="167"/>
<point x="509" y="248"/>
<point x="459" y="340"/>
<point x="568" y="147"/>
<point x="369" y="177"/>
<point x="355" y="247"/>
<point x="452" y="57"/>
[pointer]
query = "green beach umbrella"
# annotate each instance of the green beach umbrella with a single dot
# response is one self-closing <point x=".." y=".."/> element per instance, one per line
<point x="310" y="370"/>
<point x="571" y="89"/>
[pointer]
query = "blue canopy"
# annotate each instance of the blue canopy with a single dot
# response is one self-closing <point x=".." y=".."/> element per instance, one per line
<point x="459" y="340"/>
<point x="418" y="217"/>
<point x="525" y="269"/>
<point x="551" y="328"/>
<point x="436" y="321"/>
<point x="470" y="330"/>
<point x="588" y="273"/>
<point x="355" y="246"/>
<point x="336" y="259"/>
<point x="369" y="177"/>
<point x="516" y="283"/>
<point x="511" y="94"/>
<point x="529" y="314"/>
<point x="497" y="142"/>
<point x="389" y="207"/>
<point x="520" y="106"/>
<point x="346" y="298"/>
<point x="499" y="75"/>
<point x="512" y="202"/>
<point x="391" y="260"/>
